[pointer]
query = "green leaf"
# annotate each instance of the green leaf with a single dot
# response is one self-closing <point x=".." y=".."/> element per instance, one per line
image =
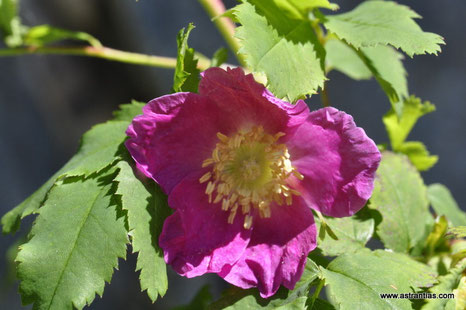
<point x="457" y="232"/>
<point x="355" y="280"/>
<point x="282" y="48"/>
<point x="436" y="237"/>
<point x="10" y="24"/>
<point x="321" y="304"/>
<point x="398" y="129"/>
<point x="219" y="57"/>
<point x="384" y="22"/>
<point x="418" y="155"/>
<point x="98" y="150"/>
<point x="45" y="34"/>
<point x="382" y="62"/>
<point x="240" y="299"/>
<point x="341" y="57"/>
<point x="301" y="8"/>
<point x="200" y="301"/>
<point x="352" y="234"/>
<point x="128" y="111"/>
<point x="401" y="197"/>
<point x="307" y="5"/>
<point x="388" y="66"/>
<point x="444" y="204"/>
<point x="186" y="76"/>
<point x="447" y="284"/>
<point x="147" y="209"/>
<point x="74" y="246"/>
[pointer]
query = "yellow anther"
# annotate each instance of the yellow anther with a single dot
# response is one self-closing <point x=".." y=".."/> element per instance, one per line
<point x="250" y="171"/>
<point x="298" y="175"/>
<point x="205" y="177"/>
<point x="207" y="162"/>
<point x="247" y="221"/>
<point x="222" y="137"/>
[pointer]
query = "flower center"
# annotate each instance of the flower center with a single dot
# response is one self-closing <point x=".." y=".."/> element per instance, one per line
<point x="249" y="172"/>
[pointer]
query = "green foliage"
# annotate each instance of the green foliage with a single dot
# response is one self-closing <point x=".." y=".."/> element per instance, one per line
<point x="447" y="284"/>
<point x="186" y="77"/>
<point x="355" y="280"/>
<point x="398" y="129"/>
<point x="46" y="34"/>
<point x="219" y="57"/>
<point x="146" y="210"/>
<point x="128" y="111"/>
<point x="457" y="232"/>
<point x="301" y="8"/>
<point x="401" y="198"/>
<point x="352" y="235"/>
<point x="443" y="203"/>
<point x="99" y="149"/>
<point x="10" y="24"/>
<point x="236" y="298"/>
<point x="74" y="245"/>
<point x="282" y="48"/>
<point x="384" y="22"/>
<point x="382" y="62"/>
<point x="436" y="237"/>
<point x="341" y="57"/>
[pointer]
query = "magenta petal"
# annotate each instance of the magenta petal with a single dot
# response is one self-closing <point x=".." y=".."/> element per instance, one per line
<point x="197" y="238"/>
<point x="251" y="101"/>
<point x="173" y="136"/>
<point x="277" y="251"/>
<point x="338" y="162"/>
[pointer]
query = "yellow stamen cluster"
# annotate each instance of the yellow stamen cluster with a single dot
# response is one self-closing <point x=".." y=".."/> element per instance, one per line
<point x="249" y="172"/>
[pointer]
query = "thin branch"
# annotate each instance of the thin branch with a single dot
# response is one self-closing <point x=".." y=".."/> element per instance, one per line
<point x="215" y="9"/>
<point x="102" y="52"/>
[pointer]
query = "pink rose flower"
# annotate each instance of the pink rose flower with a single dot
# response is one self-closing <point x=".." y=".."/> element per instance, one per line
<point x="242" y="170"/>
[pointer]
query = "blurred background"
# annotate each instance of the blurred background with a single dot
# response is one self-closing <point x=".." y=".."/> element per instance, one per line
<point x="48" y="102"/>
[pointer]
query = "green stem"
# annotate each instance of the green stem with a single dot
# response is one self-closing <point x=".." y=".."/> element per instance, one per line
<point x="316" y="294"/>
<point x="215" y="9"/>
<point x="101" y="52"/>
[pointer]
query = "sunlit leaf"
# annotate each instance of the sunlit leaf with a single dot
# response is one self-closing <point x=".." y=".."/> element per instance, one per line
<point x="443" y="203"/>
<point x="384" y="22"/>
<point x="74" y="247"/>
<point x="46" y="34"/>
<point x="401" y="197"/>
<point x="186" y="76"/>
<point x="355" y="280"/>
<point x="283" y="49"/>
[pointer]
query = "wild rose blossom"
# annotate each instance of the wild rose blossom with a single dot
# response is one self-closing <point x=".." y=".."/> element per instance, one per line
<point x="242" y="170"/>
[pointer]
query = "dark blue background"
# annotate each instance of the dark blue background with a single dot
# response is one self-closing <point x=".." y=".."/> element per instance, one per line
<point x="48" y="102"/>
